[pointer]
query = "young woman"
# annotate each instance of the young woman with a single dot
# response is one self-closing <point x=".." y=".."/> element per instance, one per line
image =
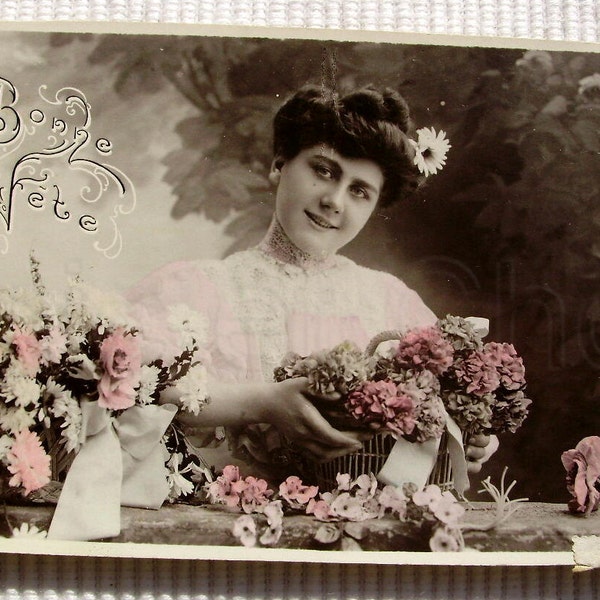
<point x="335" y="160"/>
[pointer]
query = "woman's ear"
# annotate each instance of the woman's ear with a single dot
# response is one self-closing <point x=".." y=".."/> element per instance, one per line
<point x="275" y="172"/>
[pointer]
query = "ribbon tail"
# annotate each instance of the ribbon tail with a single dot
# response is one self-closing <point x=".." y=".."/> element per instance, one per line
<point x="409" y="462"/>
<point x="457" y="456"/>
<point x="140" y="430"/>
<point x="89" y="507"/>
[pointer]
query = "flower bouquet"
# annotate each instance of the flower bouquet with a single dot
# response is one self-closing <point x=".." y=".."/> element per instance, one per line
<point x="71" y="370"/>
<point x="429" y="380"/>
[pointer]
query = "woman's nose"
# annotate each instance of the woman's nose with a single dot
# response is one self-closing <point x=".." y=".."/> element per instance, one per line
<point x="334" y="199"/>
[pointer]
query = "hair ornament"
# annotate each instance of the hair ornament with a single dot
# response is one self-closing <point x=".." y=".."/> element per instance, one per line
<point x="430" y="150"/>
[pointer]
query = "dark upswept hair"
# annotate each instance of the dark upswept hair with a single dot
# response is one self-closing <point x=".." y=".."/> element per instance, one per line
<point x="365" y="123"/>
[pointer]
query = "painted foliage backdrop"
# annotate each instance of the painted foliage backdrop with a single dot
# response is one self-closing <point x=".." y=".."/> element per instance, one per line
<point x="509" y="230"/>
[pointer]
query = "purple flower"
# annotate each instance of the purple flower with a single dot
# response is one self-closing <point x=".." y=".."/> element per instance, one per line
<point x="509" y="410"/>
<point x="583" y="473"/>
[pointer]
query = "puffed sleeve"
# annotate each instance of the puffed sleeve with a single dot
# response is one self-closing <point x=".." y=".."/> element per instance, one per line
<point x="184" y="288"/>
<point x="405" y="309"/>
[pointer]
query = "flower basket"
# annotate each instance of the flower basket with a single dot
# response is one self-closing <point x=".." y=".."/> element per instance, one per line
<point x="375" y="451"/>
<point x="371" y="459"/>
<point x="430" y="391"/>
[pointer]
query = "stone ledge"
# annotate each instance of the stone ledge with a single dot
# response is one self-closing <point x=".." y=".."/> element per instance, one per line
<point x="535" y="527"/>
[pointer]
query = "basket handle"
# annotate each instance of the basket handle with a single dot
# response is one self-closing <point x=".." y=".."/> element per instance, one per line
<point x="384" y="336"/>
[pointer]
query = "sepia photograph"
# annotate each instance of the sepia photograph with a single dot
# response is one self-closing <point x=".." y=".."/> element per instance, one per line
<point x="299" y="298"/>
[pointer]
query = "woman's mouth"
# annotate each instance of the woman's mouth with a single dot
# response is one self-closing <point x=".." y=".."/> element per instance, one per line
<point x="320" y="222"/>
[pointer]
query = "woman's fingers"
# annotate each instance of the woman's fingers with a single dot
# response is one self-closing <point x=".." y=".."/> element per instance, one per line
<point x="479" y="450"/>
<point x="480" y="439"/>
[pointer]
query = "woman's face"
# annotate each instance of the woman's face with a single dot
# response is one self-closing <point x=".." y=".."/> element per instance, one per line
<point x="324" y="199"/>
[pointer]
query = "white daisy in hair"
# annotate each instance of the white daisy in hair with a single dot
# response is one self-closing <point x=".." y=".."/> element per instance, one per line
<point x="430" y="150"/>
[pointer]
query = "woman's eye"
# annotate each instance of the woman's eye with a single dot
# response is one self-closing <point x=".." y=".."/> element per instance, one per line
<point x="323" y="171"/>
<point x="360" y="192"/>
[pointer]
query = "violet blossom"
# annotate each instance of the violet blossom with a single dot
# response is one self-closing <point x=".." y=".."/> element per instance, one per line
<point x="583" y="475"/>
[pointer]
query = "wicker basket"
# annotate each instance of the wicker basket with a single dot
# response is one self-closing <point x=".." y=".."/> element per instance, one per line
<point x="371" y="460"/>
<point x="375" y="451"/>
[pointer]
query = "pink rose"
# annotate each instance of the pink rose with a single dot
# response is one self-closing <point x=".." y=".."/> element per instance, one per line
<point x="28" y="351"/>
<point x="583" y="470"/>
<point x="121" y="359"/>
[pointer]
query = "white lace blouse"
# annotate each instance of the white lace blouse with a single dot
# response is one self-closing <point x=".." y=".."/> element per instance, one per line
<point x="261" y="303"/>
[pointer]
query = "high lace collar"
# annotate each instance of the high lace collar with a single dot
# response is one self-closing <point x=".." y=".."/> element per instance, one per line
<point x="278" y="245"/>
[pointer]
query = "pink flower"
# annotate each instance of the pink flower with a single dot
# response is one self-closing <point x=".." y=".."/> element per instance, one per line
<point x="425" y="348"/>
<point x="28" y="351"/>
<point x="28" y="463"/>
<point x="295" y="493"/>
<point x="509" y="364"/>
<point x="380" y="404"/>
<point x="226" y="488"/>
<point x="121" y="358"/>
<point x="320" y="509"/>
<point x="478" y="373"/>
<point x="583" y="472"/>
<point x="254" y="494"/>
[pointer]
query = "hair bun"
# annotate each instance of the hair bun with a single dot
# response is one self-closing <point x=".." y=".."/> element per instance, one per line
<point x="373" y="105"/>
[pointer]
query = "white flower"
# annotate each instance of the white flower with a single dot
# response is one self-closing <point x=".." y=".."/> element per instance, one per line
<point x="82" y="367"/>
<point x="53" y="345"/>
<point x="66" y="407"/>
<point x="193" y="389"/>
<point x="148" y="383"/>
<point x="23" y="306"/>
<point x="430" y="150"/>
<point x="91" y="306"/>
<point x="19" y="387"/>
<point x="15" y="419"/>
<point x="6" y="443"/>
<point x="28" y="531"/>
<point x="178" y="484"/>
<point x="244" y="529"/>
<point x="189" y="324"/>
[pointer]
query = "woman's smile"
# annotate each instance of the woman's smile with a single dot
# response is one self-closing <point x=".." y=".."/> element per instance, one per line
<point x="318" y="221"/>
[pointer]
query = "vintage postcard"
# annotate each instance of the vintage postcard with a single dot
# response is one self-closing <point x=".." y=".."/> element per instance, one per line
<point x="299" y="295"/>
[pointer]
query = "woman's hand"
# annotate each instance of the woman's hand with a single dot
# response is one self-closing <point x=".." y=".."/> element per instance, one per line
<point x="479" y="449"/>
<point x="285" y="405"/>
<point x="288" y="408"/>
